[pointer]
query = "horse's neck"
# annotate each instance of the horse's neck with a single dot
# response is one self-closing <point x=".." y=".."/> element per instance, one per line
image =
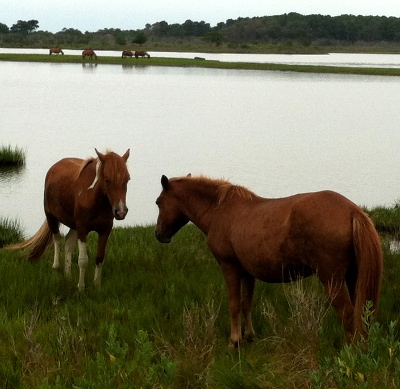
<point x="200" y="206"/>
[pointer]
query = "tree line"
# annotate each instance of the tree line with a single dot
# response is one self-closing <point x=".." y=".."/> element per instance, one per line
<point x="291" y="27"/>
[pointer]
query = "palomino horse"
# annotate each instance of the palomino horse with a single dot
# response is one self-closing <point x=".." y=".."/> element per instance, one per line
<point x="56" y="50"/>
<point x="84" y="195"/>
<point x="89" y="53"/>
<point x="127" y="53"/>
<point x="279" y="240"/>
<point x="142" y="54"/>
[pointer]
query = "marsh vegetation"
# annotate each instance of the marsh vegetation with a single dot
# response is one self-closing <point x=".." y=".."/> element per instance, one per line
<point x="160" y="320"/>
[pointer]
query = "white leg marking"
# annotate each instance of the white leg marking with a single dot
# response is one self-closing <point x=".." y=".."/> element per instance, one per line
<point x="97" y="274"/>
<point x="82" y="262"/>
<point x="70" y="242"/>
<point x="57" y="248"/>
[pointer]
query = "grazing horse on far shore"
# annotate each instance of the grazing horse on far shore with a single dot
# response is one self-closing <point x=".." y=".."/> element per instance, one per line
<point x="56" y="50"/>
<point x="127" y="53"/>
<point x="85" y="195"/>
<point x="89" y="53"/>
<point x="279" y="240"/>
<point x="142" y="54"/>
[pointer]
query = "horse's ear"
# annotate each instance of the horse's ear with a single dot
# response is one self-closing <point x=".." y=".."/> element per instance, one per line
<point x="164" y="182"/>
<point x="126" y="155"/>
<point x="189" y="175"/>
<point x="100" y="155"/>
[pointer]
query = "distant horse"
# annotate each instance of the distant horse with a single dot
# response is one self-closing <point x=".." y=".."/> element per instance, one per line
<point x="84" y="195"/>
<point x="89" y="53"/>
<point x="127" y="53"/>
<point x="142" y="54"/>
<point x="56" y="50"/>
<point x="279" y="240"/>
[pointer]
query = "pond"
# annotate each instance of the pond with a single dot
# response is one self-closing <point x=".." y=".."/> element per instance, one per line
<point x="277" y="133"/>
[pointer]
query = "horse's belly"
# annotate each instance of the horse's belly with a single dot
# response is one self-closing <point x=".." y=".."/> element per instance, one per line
<point x="279" y="272"/>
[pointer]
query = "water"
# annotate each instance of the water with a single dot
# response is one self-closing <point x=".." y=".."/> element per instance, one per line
<point x="277" y="133"/>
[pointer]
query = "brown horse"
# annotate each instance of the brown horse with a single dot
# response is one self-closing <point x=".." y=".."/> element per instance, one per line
<point x="84" y="195"/>
<point x="89" y="53"/>
<point x="127" y="53"/>
<point x="56" y="50"/>
<point x="142" y="54"/>
<point x="279" y="240"/>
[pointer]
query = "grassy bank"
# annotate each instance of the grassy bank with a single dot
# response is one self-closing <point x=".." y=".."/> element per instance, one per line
<point x="182" y="62"/>
<point x="160" y="320"/>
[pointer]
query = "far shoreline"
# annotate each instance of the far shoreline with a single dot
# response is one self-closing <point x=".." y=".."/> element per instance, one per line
<point x="200" y="63"/>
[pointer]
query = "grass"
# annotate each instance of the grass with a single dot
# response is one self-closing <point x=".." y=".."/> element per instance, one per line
<point x="11" y="157"/>
<point x="185" y="62"/>
<point x="160" y="320"/>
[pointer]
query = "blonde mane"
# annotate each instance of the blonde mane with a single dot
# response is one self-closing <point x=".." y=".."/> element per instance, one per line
<point x="83" y="164"/>
<point x="225" y="189"/>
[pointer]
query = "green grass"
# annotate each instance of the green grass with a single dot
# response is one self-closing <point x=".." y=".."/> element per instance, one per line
<point x="10" y="157"/>
<point x="185" y="62"/>
<point x="160" y="320"/>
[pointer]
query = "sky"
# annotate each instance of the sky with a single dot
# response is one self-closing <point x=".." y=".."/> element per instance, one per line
<point x="93" y="15"/>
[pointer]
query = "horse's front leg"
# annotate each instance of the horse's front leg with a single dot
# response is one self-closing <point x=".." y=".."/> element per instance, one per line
<point x="248" y="282"/>
<point x="101" y="251"/>
<point x="232" y="280"/>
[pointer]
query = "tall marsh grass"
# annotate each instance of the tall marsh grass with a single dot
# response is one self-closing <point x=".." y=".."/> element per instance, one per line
<point x="11" y="156"/>
<point x="160" y="320"/>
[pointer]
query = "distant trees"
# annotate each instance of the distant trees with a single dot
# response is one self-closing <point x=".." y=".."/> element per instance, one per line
<point x="140" y="38"/>
<point x="4" y="28"/>
<point x="24" y="27"/>
<point x="286" y="28"/>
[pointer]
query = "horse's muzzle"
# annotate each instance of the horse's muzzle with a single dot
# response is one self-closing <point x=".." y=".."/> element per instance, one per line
<point x="162" y="238"/>
<point x="120" y="213"/>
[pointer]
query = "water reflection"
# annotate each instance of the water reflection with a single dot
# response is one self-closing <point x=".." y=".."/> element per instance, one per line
<point x="11" y="173"/>
<point x="89" y="66"/>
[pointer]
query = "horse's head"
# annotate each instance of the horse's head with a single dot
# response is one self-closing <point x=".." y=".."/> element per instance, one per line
<point x="170" y="215"/>
<point x="114" y="180"/>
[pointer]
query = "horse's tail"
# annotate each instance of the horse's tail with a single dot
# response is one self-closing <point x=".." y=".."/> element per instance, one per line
<point x="369" y="261"/>
<point x="37" y="244"/>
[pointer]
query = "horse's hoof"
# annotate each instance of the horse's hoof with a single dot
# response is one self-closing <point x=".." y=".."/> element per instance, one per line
<point x="249" y="338"/>
<point x="233" y="345"/>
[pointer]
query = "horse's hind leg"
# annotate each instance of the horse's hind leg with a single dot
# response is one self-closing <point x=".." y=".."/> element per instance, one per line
<point x="57" y="249"/>
<point x="248" y="282"/>
<point x="83" y="260"/>
<point x="70" y="242"/>
<point x="339" y="297"/>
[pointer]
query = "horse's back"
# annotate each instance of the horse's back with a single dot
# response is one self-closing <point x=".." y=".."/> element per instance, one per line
<point x="273" y="236"/>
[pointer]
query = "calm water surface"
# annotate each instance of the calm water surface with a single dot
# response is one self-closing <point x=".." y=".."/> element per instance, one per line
<point x="277" y="133"/>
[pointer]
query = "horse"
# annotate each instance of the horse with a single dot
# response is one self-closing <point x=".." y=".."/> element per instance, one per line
<point x="56" y="50"/>
<point x="141" y="54"/>
<point x="85" y="195"/>
<point x="89" y="53"/>
<point x="127" y="53"/>
<point x="279" y="240"/>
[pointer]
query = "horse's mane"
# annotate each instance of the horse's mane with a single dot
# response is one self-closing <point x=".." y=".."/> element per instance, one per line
<point x="225" y="189"/>
<point x="84" y="163"/>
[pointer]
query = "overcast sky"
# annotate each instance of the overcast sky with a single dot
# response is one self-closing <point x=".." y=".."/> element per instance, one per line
<point x="93" y="15"/>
